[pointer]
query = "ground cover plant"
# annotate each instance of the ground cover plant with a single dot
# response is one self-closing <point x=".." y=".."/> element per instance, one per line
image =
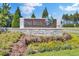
<point x="6" y="40"/>
<point x="38" y="45"/>
<point x="38" y="48"/>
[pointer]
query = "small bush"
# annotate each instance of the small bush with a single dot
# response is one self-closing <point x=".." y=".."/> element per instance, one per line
<point x="67" y="36"/>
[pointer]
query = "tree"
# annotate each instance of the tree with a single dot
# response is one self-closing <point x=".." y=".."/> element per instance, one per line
<point x="76" y="17"/>
<point x="71" y="18"/>
<point x="5" y="8"/>
<point x="16" y="18"/>
<point x="50" y="20"/>
<point x="33" y="15"/>
<point x="0" y="10"/>
<point x="45" y="13"/>
<point x="5" y="16"/>
<point x="65" y="17"/>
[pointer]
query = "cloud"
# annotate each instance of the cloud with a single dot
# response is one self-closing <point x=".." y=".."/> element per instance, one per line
<point x="28" y="8"/>
<point x="73" y="7"/>
<point x="61" y="7"/>
<point x="33" y="4"/>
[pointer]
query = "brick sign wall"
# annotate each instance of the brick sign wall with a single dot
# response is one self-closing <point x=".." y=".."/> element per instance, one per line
<point x="36" y="23"/>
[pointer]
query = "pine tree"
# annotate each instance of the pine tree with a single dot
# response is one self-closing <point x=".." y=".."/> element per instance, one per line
<point x="45" y="13"/>
<point x="33" y="15"/>
<point x="16" y="18"/>
<point x="5" y="16"/>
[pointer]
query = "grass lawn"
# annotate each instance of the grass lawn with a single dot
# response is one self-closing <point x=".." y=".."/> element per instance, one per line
<point x="74" y="52"/>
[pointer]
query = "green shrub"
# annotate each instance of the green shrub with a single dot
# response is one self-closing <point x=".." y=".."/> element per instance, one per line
<point x="2" y="53"/>
<point x="77" y="25"/>
<point x="42" y="47"/>
<point x="66" y="46"/>
<point x="7" y="39"/>
<point x="50" y="46"/>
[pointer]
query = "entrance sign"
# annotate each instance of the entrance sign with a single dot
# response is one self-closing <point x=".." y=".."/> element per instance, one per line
<point x="33" y="22"/>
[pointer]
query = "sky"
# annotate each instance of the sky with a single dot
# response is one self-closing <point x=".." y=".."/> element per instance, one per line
<point x="54" y="9"/>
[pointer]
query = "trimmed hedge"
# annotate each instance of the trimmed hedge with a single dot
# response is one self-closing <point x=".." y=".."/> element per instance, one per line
<point x="77" y="25"/>
<point x="70" y="25"/>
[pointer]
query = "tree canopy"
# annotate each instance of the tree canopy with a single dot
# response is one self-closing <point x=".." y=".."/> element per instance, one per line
<point x="72" y="17"/>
